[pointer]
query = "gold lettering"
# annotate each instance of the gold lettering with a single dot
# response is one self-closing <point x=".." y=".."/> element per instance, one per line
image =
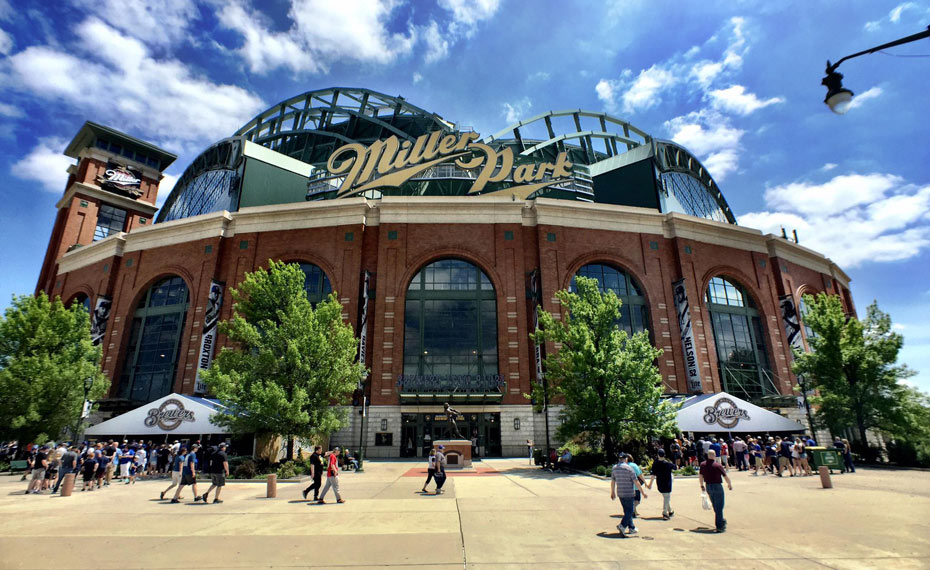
<point x="523" y="173"/>
<point x="386" y="164"/>
<point x="463" y="142"/>
<point x="416" y="154"/>
<point x="487" y="171"/>
<point x="562" y="168"/>
<point x="402" y="158"/>
<point x="432" y="146"/>
<point x="447" y="144"/>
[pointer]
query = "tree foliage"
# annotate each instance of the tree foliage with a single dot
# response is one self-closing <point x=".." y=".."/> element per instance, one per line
<point x="46" y="354"/>
<point x="290" y="364"/>
<point x="853" y="366"/>
<point x="611" y="385"/>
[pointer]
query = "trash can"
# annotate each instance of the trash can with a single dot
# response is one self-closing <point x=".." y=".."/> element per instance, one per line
<point x="825" y="457"/>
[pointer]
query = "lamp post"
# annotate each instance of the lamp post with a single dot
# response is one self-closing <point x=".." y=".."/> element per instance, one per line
<point x="838" y="97"/>
<point x="85" y="411"/>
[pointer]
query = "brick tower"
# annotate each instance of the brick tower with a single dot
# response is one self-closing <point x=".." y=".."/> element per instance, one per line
<point x="111" y="189"/>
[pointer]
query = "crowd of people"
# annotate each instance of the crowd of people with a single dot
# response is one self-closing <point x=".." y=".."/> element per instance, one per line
<point x="98" y="465"/>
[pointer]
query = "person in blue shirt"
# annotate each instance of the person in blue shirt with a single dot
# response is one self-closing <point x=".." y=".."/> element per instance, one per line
<point x="715" y="445"/>
<point x="125" y="462"/>
<point x="639" y="477"/>
<point x="179" y="459"/>
<point x="188" y="475"/>
<point x="757" y="463"/>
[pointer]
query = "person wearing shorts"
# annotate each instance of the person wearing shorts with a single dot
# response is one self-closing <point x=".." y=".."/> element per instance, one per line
<point x="188" y="475"/>
<point x="219" y="470"/>
<point x="176" y="465"/>
<point x="39" y="467"/>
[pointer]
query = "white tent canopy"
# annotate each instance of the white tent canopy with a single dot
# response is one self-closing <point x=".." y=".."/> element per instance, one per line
<point x="722" y="412"/>
<point x="172" y="414"/>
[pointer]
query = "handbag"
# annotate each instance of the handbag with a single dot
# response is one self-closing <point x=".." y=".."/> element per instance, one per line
<point x="705" y="501"/>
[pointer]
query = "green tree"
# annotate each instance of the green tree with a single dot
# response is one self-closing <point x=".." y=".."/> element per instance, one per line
<point x="853" y="366"/>
<point x="290" y="364"/>
<point x="608" y="378"/>
<point x="46" y="354"/>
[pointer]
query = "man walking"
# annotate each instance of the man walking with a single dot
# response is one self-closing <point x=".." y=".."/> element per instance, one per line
<point x="316" y="473"/>
<point x="219" y="470"/>
<point x="39" y="465"/>
<point x="68" y="465"/>
<point x="332" y="477"/>
<point x="188" y="475"/>
<point x="623" y="483"/>
<point x="662" y="473"/>
<point x="711" y="476"/>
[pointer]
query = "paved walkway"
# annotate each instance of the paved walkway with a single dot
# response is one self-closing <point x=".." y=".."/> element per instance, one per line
<point x="519" y="517"/>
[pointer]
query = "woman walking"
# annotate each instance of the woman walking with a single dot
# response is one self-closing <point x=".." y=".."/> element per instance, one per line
<point x="176" y="464"/>
<point x="803" y="463"/>
<point x="430" y="468"/>
<point x="188" y="475"/>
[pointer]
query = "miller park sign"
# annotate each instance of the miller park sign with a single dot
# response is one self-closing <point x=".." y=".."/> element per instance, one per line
<point x="390" y="163"/>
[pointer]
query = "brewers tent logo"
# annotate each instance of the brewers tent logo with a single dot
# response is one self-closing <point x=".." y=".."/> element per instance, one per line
<point x="725" y="412"/>
<point x="169" y="415"/>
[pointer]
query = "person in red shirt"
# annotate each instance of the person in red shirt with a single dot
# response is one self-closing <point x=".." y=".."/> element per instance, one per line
<point x="711" y="476"/>
<point x="332" y="476"/>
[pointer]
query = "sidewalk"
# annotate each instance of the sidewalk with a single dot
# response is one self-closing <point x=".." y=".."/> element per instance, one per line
<point x="516" y="517"/>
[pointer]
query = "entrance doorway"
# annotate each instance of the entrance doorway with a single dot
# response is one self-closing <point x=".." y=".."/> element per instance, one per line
<point x="419" y="431"/>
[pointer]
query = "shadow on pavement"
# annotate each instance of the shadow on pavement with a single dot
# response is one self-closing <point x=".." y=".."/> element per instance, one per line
<point x="704" y="530"/>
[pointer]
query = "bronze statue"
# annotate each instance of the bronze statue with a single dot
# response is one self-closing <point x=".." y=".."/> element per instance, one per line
<point x="451" y="413"/>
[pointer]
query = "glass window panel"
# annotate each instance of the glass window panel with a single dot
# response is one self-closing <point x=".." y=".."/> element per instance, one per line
<point x="316" y="283"/>
<point x="110" y="221"/>
<point x="618" y="281"/>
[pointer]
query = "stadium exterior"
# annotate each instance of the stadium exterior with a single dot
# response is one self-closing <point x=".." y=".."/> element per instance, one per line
<point x="440" y="245"/>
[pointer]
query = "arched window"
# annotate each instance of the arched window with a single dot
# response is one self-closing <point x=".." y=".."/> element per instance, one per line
<point x="634" y="315"/>
<point x="316" y="283"/>
<point x="80" y="299"/>
<point x="450" y="322"/>
<point x="155" y="341"/>
<point x="803" y="309"/>
<point x="738" y="334"/>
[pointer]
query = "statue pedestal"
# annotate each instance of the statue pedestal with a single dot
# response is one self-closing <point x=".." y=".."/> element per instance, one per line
<point x="458" y="452"/>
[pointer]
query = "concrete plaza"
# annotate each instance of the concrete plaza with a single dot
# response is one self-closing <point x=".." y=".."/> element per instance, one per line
<point x="513" y="516"/>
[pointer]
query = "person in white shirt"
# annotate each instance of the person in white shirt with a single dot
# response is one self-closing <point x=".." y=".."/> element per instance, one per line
<point x="140" y="465"/>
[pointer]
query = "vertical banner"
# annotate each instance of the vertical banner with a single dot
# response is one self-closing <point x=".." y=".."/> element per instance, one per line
<point x="211" y="317"/>
<point x="791" y="322"/>
<point x="363" y="324"/>
<point x="687" y="335"/>
<point x="536" y="292"/>
<point x="99" y="318"/>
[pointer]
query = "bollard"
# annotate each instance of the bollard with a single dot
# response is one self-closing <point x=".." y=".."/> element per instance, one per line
<point x="272" y="486"/>
<point x="825" y="477"/>
<point x="67" y="485"/>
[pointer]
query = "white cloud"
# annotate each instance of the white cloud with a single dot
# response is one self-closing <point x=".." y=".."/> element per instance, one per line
<point x="735" y="100"/>
<point x="7" y="110"/>
<point x="6" y="43"/>
<point x="322" y="33"/>
<point x="417" y="77"/>
<point x="155" y="22"/>
<point x="893" y="17"/>
<point x="851" y="218"/>
<point x="644" y="91"/>
<point x="828" y="166"/>
<point x="437" y="48"/>
<point x="865" y="96"/>
<point x="117" y="79"/>
<point x="45" y="164"/>
<point x="468" y="13"/>
<point x="164" y="189"/>
<point x="517" y="110"/>
<point x="539" y="76"/>
<point x="711" y="137"/>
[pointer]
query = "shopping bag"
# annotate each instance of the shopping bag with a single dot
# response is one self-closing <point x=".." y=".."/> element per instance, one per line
<point x="705" y="502"/>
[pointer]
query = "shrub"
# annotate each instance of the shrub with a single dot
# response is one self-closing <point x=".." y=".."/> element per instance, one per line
<point x="247" y="469"/>
<point x="602" y="470"/>
<point x="4" y="466"/>
<point x="287" y="470"/>
<point x="686" y="470"/>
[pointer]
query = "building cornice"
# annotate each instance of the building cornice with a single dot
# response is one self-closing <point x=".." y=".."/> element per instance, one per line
<point x="94" y="191"/>
<point x="104" y="156"/>
<point x="176" y="232"/>
<point x="444" y="210"/>
<point x="90" y="254"/>
<point x="278" y="217"/>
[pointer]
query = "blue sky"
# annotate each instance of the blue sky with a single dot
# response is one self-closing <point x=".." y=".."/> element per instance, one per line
<point x="736" y="82"/>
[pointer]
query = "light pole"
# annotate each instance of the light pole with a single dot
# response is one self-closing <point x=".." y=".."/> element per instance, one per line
<point x="85" y="411"/>
<point x="838" y="97"/>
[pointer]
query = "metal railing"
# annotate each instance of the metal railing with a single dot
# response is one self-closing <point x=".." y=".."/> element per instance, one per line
<point x="747" y="381"/>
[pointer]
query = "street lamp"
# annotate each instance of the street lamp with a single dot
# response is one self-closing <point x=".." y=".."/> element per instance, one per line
<point x="838" y="97"/>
